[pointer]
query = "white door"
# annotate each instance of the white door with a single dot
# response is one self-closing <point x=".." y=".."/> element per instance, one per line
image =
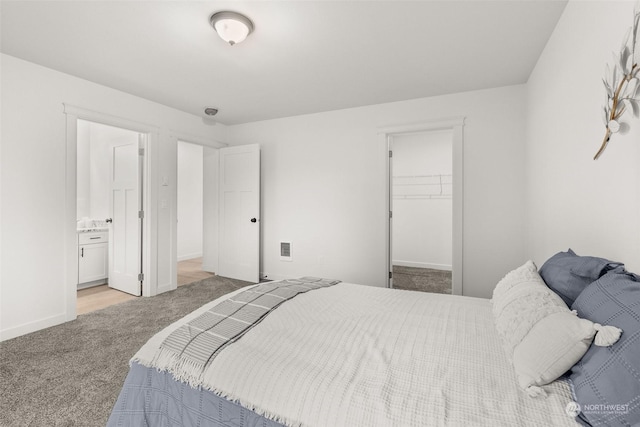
<point x="125" y="247"/>
<point x="239" y="231"/>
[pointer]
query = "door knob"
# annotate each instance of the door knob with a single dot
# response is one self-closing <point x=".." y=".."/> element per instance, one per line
<point x="253" y="220"/>
<point x="108" y="220"/>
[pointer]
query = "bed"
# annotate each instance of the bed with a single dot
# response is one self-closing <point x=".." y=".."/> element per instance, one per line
<point x="344" y="355"/>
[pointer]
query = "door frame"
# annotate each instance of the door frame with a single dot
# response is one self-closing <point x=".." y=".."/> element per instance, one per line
<point x="149" y="199"/>
<point x="174" y="137"/>
<point x="456" y="125"/>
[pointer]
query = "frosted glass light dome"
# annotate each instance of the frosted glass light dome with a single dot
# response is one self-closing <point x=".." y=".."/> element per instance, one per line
<point x="232" y="27"/>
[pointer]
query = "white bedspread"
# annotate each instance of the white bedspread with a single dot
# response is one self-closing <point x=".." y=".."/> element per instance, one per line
<point x="353" y="355"/>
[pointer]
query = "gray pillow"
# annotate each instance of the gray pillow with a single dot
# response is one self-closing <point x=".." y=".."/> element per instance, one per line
<point x="567" y="274"/>
<point x="610" y="375"/>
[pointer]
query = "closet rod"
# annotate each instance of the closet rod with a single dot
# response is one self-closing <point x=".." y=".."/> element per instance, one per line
<point x="424" y="196"/>
<point x="428" y="183"/>
<point x="422" y="176"/>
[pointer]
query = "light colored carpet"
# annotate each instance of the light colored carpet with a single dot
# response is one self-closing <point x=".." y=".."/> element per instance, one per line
<point x="422" y="279"/>
<point x="71" y="374"/>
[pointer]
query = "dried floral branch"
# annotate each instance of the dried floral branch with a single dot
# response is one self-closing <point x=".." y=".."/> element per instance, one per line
<point x="624" y="77"/>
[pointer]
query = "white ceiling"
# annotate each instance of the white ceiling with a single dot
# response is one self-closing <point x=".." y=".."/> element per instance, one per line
<point x="304" y="56"/>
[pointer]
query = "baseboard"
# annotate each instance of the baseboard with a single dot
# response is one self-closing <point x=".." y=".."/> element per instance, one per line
<point x="209" y="268"/>
<point x="165" y="288"/>
<point x="273" y="276"/>
<point x="87" y="285"/>
<point x="27" y="328"/>
<point x="189" y="256"/>
<point x="422" y="265"/>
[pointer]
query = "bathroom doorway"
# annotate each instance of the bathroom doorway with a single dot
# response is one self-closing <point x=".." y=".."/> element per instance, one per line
<point x="110" y="167"/>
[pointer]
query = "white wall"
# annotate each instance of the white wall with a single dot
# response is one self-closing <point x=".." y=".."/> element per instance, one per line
<point x="83" y="195"/>
<point x="323" y="174"/>
<point x="33" y="185"/>
<point x="210" y="210"/>
<point x="572" y="200"/>
<point x="100" y="145"/>
<point x="323" y="186"/>
<point x="190" y="182"/>
<point x="422" y="226"/>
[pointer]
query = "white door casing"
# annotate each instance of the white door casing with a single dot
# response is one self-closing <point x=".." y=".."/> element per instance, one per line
<point x="72" y="114"/>
<point x="210" y="200"/>
<point x="125" y="254"/>
<point x="390" y="204"/>
<point x="456" y="124"/>
<point x="239" y="207"/>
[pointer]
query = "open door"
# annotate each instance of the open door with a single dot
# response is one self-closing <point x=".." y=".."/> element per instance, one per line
<point x="239" y="204"/>
<point x="125" y="240"/>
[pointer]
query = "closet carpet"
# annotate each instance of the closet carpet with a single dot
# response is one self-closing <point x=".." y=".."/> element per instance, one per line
<point x="71" y="374"/>
<point x="422" y="279"/>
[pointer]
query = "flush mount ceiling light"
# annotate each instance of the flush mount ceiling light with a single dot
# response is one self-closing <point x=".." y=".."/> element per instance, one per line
<point x="232" y="27"/>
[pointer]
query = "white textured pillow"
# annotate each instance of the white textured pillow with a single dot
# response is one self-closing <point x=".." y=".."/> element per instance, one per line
<point x="551" y="348"/>
<point x="542" y="337"/>
<point x="520" y="300"/>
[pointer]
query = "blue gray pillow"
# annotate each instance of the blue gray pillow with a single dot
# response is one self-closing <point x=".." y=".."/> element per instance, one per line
<point x="568" y="274"/>
<point x="610" y="375"/>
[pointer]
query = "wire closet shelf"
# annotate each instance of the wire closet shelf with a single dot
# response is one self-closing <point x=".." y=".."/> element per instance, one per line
<point x="420" y="187"/>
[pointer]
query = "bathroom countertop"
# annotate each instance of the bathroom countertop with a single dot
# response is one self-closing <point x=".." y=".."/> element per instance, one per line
<point x="92" y="229"/>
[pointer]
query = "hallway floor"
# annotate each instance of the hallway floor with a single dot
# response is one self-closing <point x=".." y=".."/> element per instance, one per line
<point x="99" y="297"/>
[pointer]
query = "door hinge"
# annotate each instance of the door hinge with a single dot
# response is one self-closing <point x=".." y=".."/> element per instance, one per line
<point x="390" y="153"/>
<point x="390" y="275"/>
<point x="140" y="277"/>
<point x="141" y="151"/>
<point x="140" y="214"/>
<point x="390" y="214"/>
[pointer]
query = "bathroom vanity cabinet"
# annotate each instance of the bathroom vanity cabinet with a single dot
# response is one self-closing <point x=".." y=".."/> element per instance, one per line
<point x="93" y="262"/>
